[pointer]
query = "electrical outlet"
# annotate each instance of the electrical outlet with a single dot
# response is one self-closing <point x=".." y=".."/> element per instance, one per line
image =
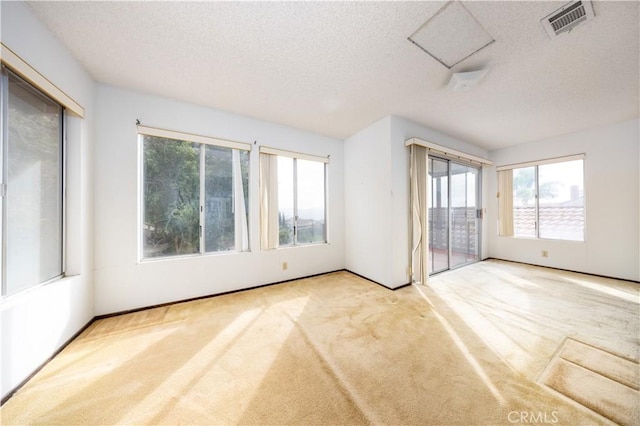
<point x="545" y="253"/>
<point x="284" y="266"/>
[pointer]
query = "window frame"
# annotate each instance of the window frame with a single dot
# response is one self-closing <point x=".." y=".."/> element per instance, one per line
<point x="5" y="72"/>
<point x="296" y="207"/>
<point x="536" y="165"/>
<point x="202" y="142"/>
<point x="275" y="152"/>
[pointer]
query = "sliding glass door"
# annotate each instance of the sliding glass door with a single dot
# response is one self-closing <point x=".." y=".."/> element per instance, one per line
<point x="454" y="226"/>
<point x="438" y="206"/>
<point x="464" y="230"/>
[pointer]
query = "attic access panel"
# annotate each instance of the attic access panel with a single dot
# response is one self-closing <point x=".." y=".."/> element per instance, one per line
<point x="451" y="35"/>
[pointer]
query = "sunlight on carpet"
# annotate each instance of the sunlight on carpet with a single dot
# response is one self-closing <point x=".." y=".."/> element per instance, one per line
<point x="464" y="350"/>
<point x="336" y="349"/>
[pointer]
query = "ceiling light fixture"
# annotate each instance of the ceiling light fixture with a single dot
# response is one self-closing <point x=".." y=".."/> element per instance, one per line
<point x="462" y="81"/>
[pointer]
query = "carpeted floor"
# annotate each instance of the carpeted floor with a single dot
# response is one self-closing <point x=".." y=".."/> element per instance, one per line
<point x="473" y="347"/>
<point x="602" y="381"/>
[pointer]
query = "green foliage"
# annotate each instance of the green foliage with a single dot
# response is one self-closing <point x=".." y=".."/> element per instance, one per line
<point x="172" y="197"/>
<point x="524" y="186"/>
<point x="286" y="233"/>
<point x="313" y="232"/>
<point x="219" y="216"/>
<point x="172" y="193"/>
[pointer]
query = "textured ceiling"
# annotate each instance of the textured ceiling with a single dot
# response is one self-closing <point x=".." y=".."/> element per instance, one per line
<point x="334" y="68"/>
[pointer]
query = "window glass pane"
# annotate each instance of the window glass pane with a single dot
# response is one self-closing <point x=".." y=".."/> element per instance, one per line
<point x="285" y="200"/>
<point x="311" y="199"/>
<point x="524" y="202"/>
<point x="171" y="197"/>
<point x="218" y="200"/>
<point x="34" y="187"/>
<point x="463" y="230"/>
<point x="439" y="215"/>
<point x="244" y="171"/>
<point x="561" y="200"/>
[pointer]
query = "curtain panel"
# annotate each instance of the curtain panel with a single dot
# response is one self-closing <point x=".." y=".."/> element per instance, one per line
<point x="419" y="214"/>
<point x="505" y="203"/>
<point x="240" y="208"/>
<point x="269" y="229"/>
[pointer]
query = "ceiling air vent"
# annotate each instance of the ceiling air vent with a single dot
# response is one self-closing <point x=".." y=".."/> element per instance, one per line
<point x="567" y="17"/>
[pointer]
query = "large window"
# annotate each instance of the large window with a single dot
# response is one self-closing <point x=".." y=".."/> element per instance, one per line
<point x="32" y="176"/>
<point x="195" y="195"/>
<point x="293" y="199"/>
<point x="548" y="199"/>
<point x="301" y="201"/>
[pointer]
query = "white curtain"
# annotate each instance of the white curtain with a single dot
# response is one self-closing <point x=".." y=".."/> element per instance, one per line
<point x="419" y="214"/>
<point x="239" y="206"/>
<point x="269" y="232"/>
<point x="505" y="203"/>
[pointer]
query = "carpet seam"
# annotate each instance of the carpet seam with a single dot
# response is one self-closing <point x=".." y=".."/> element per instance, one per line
<point x="598" y="373"/>
<point x="544" y="375"/>
<point x="580" y="403"/>
<point x="635" y="361"/>
<point x="575" y="403"/>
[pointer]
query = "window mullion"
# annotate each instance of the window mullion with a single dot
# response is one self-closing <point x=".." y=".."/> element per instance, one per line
<point x="202" y="197"/>
<point x="326" y="219"/>
<point x="63" y="190"/>
<point x="4" y="97"/>
<point x="537" y="197"/>
<point x="295" y="202"/>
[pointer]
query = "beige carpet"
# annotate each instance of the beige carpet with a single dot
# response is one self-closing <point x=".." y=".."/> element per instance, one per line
<point x="337" y="349"/>
<point x="604" y="382"/>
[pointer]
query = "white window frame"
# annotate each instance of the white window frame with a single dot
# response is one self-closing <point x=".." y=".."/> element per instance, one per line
<point x="22" y="67"/>
<point x="13" y="61"/>
<point x="308" y="157"/>
<point x="202" y="141"/>
<point x="536" y="164"/>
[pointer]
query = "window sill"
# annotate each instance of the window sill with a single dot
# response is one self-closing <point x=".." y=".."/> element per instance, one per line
<point x="302" y="245"/>
<point x="542" y="239"/>
<point x="14" y="298"/>
<point x="191" y="256"/>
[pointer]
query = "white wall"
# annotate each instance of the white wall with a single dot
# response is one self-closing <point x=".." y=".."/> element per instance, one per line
<point x="612" y="181"/>
<point x="121" y="282"/>
<point x="377" y="197"/>
<point x="37" y="322"/>
<point x="368" y="212"/>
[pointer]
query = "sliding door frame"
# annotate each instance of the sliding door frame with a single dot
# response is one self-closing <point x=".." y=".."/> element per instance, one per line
<point x="479" y="210"/>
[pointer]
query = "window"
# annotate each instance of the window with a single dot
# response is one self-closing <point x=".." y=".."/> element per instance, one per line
<point x="301" y="201"/>
<point x="548" y="199"/>
<point x="194" y="194"/>
<point x="32" y="175"/>
<point x="561" y="201"/>
<point x="293" y="199"/>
